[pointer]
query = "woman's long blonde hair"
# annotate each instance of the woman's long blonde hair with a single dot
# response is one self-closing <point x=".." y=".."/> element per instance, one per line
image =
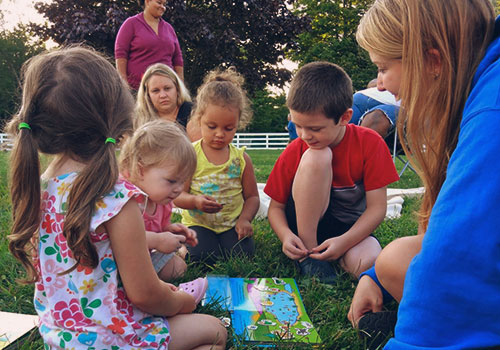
<point x="144" y="109"/>
<point x="433" y="87"/>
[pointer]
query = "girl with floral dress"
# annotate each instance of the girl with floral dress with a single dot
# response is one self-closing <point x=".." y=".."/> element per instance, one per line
<point x="79" y="231"/>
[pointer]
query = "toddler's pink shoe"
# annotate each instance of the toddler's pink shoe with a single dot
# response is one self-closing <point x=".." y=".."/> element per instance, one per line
<point x="195" y="288"/>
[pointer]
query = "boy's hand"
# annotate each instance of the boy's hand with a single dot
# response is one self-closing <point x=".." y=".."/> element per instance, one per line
<point x="169" y="242"/>
<point x="243" y="228"/>
<point x="207" y="204"/>
<point x="367" y="298"/>
<point x="180" y="229"/>
<point x="331" y="249"/>
<point x="294" y="248"/>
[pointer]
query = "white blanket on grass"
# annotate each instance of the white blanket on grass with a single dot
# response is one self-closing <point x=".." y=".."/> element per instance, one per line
<point x="395" y="200"/>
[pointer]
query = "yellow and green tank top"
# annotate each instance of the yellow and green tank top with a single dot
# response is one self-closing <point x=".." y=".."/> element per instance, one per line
<point x="223" y="182"/>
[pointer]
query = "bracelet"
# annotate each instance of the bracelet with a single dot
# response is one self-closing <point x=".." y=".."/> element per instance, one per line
<point x="372" y="274"/>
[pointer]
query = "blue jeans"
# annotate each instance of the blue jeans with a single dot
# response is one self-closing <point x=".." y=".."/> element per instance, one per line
<point x="363" y="104"/>
<point x="360" y="105"/>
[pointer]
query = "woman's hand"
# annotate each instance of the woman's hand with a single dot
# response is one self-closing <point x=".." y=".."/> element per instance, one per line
<point x="367" y="298"/>
<point x="207" y="204"/>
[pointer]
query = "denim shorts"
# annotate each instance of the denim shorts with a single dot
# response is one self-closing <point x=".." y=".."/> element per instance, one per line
<point x="160" y="259"/>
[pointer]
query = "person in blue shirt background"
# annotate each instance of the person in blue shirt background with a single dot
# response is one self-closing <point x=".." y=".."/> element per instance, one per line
<point x="292" y="132"/>
<point x="441" y="58"/>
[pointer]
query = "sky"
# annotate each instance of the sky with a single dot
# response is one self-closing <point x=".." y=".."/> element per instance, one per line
<point x="18" y="11"/>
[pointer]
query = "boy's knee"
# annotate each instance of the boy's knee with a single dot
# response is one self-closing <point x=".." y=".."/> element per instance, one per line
<point x="361" y="257"/>
<point x="316" y="158"/>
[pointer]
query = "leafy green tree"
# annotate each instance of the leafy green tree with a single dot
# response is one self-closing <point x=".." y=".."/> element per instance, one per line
<point x="251" y="35"/>
<point x="332" y="37"/>
<point x="269" y="113"/>
<point x="15" y="48"/>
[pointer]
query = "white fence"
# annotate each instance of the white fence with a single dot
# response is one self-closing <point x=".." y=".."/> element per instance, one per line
<point x="5" y="142"/>
<point x="277" y="140"/>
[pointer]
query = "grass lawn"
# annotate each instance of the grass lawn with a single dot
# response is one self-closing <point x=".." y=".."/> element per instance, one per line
<point x="326" y="305"/>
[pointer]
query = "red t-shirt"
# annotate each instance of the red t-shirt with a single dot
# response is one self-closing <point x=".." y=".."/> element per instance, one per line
<point x="361" y="162"/>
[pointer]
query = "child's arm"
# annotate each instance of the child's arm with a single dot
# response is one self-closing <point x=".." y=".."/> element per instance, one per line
<point x="252" y="201"/>
<point x="376" y="207"/>
<point x="188" y="234"/>
<point x="165" y="242"/>
<point x="142" y="285"/>
<point x="293" y="247"/>
<point x="204" y="203"/>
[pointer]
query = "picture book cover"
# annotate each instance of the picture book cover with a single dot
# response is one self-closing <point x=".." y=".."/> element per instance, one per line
<point x="263" y="310"/>
<point x="13" y="326"/>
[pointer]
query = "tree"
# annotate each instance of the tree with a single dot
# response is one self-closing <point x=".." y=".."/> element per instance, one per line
<point x="251" y="35"/>
<point x="269" y="113"/>
<point x="332" y="37"/>
<point x="15" y="48"/>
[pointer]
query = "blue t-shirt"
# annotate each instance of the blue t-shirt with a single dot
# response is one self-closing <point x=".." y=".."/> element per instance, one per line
<point x="292" y="132"/>
<point x="451" y="297"/>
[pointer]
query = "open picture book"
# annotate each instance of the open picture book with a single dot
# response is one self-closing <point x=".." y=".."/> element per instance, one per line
<point x="263" y="311"/>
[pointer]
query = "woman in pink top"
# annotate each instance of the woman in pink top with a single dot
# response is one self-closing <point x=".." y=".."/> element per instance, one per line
<point x="145" y="39"/>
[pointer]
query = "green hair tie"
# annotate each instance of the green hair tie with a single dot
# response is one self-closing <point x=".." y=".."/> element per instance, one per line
<point x="24" y="125"/>
<point x="110" y="139"/>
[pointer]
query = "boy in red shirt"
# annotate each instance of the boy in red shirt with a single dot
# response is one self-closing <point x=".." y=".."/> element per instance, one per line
<point x="328" y="187"/>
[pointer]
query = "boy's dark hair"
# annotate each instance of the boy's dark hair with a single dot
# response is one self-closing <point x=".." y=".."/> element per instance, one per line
<point x="321" y="87"/>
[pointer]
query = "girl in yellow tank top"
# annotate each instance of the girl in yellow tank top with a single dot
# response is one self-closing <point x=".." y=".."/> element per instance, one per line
<point x="221" y="199"/>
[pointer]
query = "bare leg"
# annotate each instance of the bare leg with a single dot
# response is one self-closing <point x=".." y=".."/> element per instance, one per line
<point x="196" y="332"/>
<point x="393" y="262"/>
<point x="182" y="252"/>
<point x="175" y="267"/>
<point x="311" y="192"/>
<point x="377" y="121"/>
<point x="361" y="257"/>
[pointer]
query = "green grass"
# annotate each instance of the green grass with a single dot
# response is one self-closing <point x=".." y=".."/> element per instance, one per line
<point x="263" y="162"/>
<point x="326" y="305"/>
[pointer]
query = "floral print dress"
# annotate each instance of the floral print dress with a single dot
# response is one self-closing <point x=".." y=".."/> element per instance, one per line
<point x="88" y="308"/>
